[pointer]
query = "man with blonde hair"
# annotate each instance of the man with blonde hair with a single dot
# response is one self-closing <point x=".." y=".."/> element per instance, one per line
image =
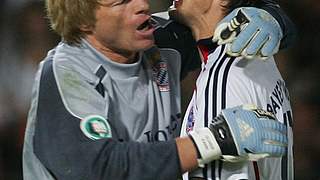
<point x="106" y="101"/>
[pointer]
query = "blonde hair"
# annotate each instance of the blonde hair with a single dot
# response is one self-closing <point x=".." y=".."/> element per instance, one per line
<point x="68" y="16"/>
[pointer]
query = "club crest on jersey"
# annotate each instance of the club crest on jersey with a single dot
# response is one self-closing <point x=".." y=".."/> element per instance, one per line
<point x="160" y="74"/>
<point x="95" y="127"/>
<point x="190" y="121"/>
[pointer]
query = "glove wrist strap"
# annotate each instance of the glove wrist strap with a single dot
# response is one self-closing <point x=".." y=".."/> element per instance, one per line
<point x="206" y="144"/>
<point x="223" y="134"/>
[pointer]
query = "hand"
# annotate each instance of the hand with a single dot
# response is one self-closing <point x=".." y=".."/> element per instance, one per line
<point x="241" y="133"/>
<point x="257" y="34"/>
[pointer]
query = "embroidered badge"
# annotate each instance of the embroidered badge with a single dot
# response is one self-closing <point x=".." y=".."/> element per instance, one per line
<point x="95" y="127"/>
<point x="161" y="76"/>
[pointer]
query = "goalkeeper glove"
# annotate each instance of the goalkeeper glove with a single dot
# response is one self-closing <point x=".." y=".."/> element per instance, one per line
<point x="241" y="133"/>
<point x="250" y="32"/>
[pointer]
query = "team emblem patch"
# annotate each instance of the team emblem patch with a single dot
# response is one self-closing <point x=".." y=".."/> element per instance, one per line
<point x="95" y="127"/>
<point x="161" y="76"/>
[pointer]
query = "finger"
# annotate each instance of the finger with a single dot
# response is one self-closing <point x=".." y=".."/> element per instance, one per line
<point x="229" y="51"/>
<point x="270" y="47"/>
<point x="256" y="43"/>
<point x="263" y="58"/>
<point x="275" y="138"/>
<point x="217" y="34"/>
<point x="274" y="125"/>
<point x="243" y="38"/>
<point x="274" y="150"/>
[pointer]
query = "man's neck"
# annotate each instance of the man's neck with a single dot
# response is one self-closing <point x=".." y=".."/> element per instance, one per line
<point x="204" y="24"/>
<point x="114" y="55"/>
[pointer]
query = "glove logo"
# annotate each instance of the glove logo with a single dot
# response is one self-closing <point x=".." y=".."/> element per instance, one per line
<point x="95" y="127"/>
<point x="245" y="129"/>
<point x="222" y="133"/>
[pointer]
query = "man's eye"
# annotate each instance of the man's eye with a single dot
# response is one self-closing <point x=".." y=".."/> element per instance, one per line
<point x="113" y="2"/>
<point x="119" y="2"/>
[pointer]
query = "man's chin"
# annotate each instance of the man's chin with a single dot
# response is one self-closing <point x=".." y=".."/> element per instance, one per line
<point x="147" y="44"/>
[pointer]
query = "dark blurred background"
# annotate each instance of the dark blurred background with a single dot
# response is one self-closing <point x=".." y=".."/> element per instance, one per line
<point x="26" y="38"/>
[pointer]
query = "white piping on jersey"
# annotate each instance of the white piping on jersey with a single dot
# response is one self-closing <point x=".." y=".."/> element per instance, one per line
<point x="36" y="88"/>
<point x="163" y="15"/>
<point x="66" y="105"/>
<point x="28" y="148"/>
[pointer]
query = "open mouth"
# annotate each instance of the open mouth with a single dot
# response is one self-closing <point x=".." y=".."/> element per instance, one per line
<point x="177" y="3"/>
<point x="146" y="25"/>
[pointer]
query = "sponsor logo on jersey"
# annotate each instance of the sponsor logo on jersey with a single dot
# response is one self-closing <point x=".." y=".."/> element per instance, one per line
<point x="169" y="132"/>
<point x="160" y="73"/>
<point x="95" y="127"/>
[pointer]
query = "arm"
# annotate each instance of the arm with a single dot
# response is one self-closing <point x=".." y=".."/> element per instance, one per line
<point x="266" y="32"/>
<point x="68" y="152"/>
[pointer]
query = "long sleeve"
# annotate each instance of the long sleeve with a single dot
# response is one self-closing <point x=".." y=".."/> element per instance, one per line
<point x="287" y="26"/>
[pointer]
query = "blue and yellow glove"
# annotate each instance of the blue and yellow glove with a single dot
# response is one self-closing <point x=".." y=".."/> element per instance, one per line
<point x="249" y="32"/>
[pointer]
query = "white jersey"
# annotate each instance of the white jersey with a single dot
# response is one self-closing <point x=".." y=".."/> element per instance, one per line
<point x="227" y="82"/>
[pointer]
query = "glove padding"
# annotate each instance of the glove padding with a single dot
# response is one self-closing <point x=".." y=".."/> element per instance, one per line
<point x="257" y="35"/>
<point x="241" y="133"/>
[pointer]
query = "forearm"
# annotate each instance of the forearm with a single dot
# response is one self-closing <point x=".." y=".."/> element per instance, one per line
<point x="187" y="154"/>
<point x="111" y="159"/>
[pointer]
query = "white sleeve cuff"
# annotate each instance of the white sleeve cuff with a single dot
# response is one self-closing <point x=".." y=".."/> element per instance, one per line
<point x="207" y="145"/>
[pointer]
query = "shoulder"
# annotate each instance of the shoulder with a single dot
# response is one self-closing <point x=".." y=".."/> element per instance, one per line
<point x="76" y="62"/>
<point x="256" y="69"/>
<point x="253" y="75"/>
<point x="72" y="83"/>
